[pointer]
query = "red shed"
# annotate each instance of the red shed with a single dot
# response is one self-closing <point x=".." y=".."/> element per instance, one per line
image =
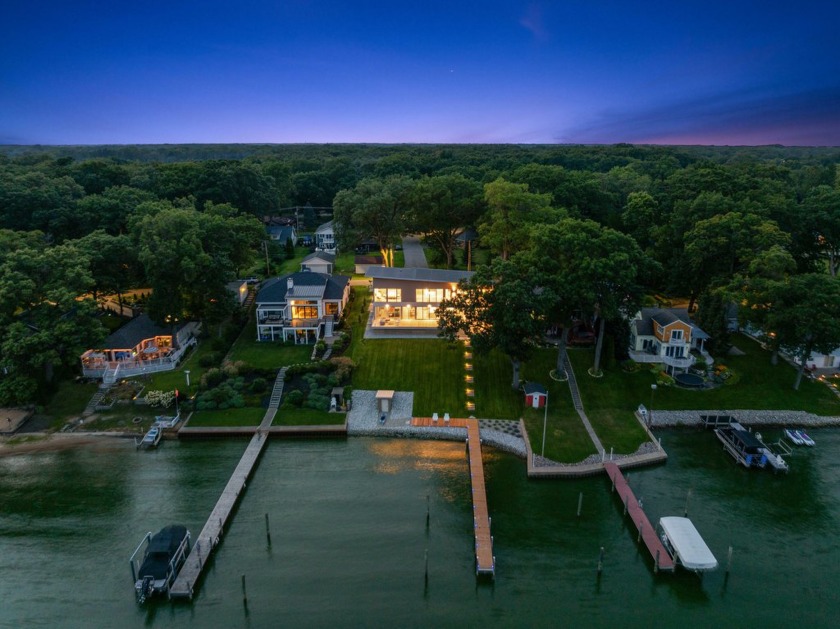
<point x="535" y="395"/>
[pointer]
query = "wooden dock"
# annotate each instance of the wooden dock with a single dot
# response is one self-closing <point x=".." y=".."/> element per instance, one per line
<point x="485" y="562"/>
<point x="213" y="529"/>
<point x="662" y="560"/>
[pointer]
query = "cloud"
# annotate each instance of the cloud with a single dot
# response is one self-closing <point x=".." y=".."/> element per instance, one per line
<point x="743" y="117"/>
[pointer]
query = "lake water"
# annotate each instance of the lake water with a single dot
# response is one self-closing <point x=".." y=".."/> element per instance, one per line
<point x="348" y="530"/>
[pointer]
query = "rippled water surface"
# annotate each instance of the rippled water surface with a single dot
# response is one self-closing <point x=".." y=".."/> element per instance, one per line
<point x="349" y="536"/>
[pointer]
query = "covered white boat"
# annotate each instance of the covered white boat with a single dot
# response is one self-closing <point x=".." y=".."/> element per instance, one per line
<point x="686" y="546"/>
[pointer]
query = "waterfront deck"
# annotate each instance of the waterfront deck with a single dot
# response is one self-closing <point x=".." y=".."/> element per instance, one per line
<point x="662" y="560"/>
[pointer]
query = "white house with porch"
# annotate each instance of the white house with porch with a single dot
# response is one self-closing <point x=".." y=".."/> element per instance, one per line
<point x="301" y="306"/>
<point x="325" y="237"/>
<point x="319" y="262"/>
<point x="666" y="335"/>
<point x="139" y="347"/>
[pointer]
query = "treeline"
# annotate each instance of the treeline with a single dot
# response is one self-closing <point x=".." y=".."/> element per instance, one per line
<point x="184" y="219"/>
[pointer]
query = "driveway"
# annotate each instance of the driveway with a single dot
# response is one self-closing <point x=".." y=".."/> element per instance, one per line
<point x="415" y="258"/>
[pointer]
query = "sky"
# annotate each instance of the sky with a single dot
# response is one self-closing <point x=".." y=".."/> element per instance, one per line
<point x="291" y="71"/>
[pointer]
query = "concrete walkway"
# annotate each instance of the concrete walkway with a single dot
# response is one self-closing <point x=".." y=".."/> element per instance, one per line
<point x="573" y="387"/>
<point x="415" y="258"/>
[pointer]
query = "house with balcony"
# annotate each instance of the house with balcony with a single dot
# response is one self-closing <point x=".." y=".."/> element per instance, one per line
<point x="408" y="298"/>
<point x="301" y="307"/>
<point x="666" y="335"/>
<point x="325" y="237"/>
<point x="139" y="347"/>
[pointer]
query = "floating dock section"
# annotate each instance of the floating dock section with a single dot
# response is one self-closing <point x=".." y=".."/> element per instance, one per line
<point x="647" y="533"/>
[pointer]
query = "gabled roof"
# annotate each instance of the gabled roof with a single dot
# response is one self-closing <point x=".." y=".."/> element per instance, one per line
<point x="281" y="232"/>
<point x="418" y="275"/>
<point x="308" y="284"/>
<point x="665" y="317"/>
<point x="534" y="387"/>
<point x="326" y="227"/>
<point x="320" y="255"/>
<point x="136" y="330"/>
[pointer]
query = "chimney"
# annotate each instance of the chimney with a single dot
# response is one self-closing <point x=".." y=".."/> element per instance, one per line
<point x="290" y="285"/>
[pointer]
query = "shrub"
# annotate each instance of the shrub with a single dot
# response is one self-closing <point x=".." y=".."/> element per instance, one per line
<point x="343" y="368"/>
<point x="212" y="378"/>
<point x="160" y="398"/>
<point x="259" y="385"/>
<point x="211" y="359"/>
<point x="294" y="398"/>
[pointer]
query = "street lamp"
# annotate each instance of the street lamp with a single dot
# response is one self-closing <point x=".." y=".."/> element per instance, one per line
<point x="650" y="411"/>
<point x="545" y="421"/>
<point x="187" y="374"/>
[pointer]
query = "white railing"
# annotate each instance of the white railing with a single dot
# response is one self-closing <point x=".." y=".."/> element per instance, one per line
<point x="110" y="371"/>
<point x="682" y="363"/>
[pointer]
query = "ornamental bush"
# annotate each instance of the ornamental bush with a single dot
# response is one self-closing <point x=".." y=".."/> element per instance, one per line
<point x="163" y="399"/>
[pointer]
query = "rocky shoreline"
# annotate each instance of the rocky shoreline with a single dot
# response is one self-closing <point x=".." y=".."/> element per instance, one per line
<point x="664" y="419"/>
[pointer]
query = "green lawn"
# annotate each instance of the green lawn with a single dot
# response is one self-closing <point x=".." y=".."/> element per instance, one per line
<point x="177" y="379"/>
<point x="494" y="397"/>
<point x="307" y="417"/>
<point x="69" y="400"/>
<point x="267" y="354"/>
<point x="566" y="438"/>
<point x="247" y="416"/>
<point x="432" y="368"/>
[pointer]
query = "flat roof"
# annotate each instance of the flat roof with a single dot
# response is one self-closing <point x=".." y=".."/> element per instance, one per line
<point x="417" y="275"/>
<point x="689" y="548"/>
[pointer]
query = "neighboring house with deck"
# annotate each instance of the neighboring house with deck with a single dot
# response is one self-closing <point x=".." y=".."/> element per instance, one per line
<point x="140" y="346"/>
<point x="665" y="335"/>
<point x="301" y="307"/>
<point x="409" y="298"/>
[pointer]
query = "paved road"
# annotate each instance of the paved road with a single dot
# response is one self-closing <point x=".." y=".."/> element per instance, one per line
<point x="415" y="258"/>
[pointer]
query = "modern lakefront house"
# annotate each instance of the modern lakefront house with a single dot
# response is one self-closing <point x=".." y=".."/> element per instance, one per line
<point x="409" y="298"/>
<point x="301" y="306"/>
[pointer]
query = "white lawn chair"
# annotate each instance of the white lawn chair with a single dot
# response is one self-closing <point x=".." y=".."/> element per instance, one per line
<point x="446" y="418"/>
<point x="434" y="418"/>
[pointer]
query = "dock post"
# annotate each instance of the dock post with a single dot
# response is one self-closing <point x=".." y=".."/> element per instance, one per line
<point x="729" y="560"/>
<point x="267" y="530"/>
<point x="600" y="560"/>
<point x="426" y="560"/>
<point x="656" y="563"/>
<point x="687" y="496"/>
<point x="427" y="511"/>
<point x="244" y="593"/>
<point x="641" y="526"/>
<point x="611" y="453"/>
<point x="625" y="505"/>
<point x="580" y="503"/>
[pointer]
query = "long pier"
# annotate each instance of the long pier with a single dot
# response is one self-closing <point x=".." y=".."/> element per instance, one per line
<point x="211" y="534"/>
<point x="485" y="562"/>
<point x="661" y="557"/>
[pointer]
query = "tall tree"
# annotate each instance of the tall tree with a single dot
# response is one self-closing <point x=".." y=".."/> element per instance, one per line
<point x="44" y="324"/>
<point x="441" y="207"/>
<point x="804" y="317"/>
<point x="498" y="307"/>
<point x="374" y="208"/>
<point x="822" y="215"/>
<point x="512" y="212"/>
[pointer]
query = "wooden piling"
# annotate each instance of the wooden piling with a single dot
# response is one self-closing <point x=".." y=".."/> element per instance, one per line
<point x="267" y="530"/>
<point x="580" y="503"/>
<point x="244" y="592"/>
<point x="600" y="560"/>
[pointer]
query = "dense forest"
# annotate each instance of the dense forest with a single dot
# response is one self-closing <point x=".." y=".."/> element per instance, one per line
<point x="597" y="227"/>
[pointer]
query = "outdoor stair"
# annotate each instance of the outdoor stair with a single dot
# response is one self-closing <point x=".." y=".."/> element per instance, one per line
<point x="578" y="404"/>
<point x="101" y="392"/>
<point x="277" y="391"/>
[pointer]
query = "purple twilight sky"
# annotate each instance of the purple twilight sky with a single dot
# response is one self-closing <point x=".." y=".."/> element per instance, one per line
<point x="668" y="72"/>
